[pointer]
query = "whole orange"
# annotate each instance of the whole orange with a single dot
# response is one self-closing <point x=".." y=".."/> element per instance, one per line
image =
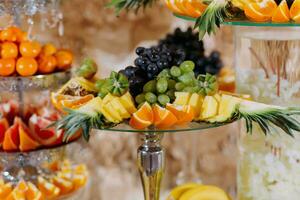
<point x="30" y="49"/>
<point x="47" y="64"/>
<point x="7" y="66"/>
<point x="64" y="59"/>
<point x="26" y="66"/>
<point x="9" y="50"/>
<point x="48" y="49"/>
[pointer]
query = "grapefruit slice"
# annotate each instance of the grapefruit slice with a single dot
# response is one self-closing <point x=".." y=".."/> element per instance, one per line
<point x="27" y="143"/>
<point x="11" y="139"/>
<point x="3" y="128"/>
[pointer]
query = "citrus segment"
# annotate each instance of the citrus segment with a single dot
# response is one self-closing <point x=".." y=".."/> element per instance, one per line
<point x="171" y="5"/>
<point x="5" y="190"/>
<point x="142" y="118"/>
<point x="163" y="118"/>
<point x="11" y="139"/>
<point x="18" y="192"/>
<point x="65" y="186"/>
<point x="195" y="8"/>
<point x="26" y="142"/>
<point x="33" y="192"/>
<point x="3" y="128"/>
<point x="184" y="114"/>
<point x="295" y="11"/>
<point x="282" y="13"/>
<point x="48" y="189"/>
<point x="260" y="11"/>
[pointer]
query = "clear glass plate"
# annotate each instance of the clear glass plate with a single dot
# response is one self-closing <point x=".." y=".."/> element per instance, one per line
<point x="241" y="22"/>
<point x="193" y="126"/>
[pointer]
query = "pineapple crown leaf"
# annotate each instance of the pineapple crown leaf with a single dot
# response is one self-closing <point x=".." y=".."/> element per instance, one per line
<point x="281" y="118"/>
<point x="135" y="5"/>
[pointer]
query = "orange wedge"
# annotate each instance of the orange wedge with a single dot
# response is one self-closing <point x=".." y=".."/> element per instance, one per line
<point x="260" y="11"/>
<point x="26" y="142"/>
<point x="183" y="113"/>
<point x="79" y="181"/>
<point x="11" y="138"/>
<point x="171" y="5"/>
<point x="47" y="188"/>
<point x="5" y="190"/>
<point x="33" y="192"/>
<point x="142" y="118"/>
<point x="180" y="6"/>
<point x="18" y="192"/>
<point x="163" y="118"/>
<point x="282" y="13"/>
<point x="80" y="169"/>
<point x="295" y="11"/>
<point x="64" y="185"/>
<point x="4" y="125"/>
<point x="61" y="101"/>
<point x="195" y="8"/>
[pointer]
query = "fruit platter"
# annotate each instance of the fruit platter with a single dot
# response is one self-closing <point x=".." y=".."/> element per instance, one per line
<point x="34" y="164"/>
<point x="152" y="101"/>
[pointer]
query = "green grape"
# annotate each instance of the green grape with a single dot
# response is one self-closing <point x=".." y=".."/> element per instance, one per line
<point x="187" y="66"/>
<point x="171" y="84"/>
<point x="164" y="74"/>
<point x="162" y="85"/>
<point x="163" y="99"/>
<point x="186" y="79"/>
<point x="150" y="97"/>
<point x="150" y="86"/>
<point x="171" y="94"/>
<point x="140" y="98"/>
<point x="179" y="86"/>
<point x="175" y="71"/>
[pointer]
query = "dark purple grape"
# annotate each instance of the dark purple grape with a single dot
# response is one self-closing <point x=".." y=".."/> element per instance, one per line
<point x="136" y="84"/>
<point x="215" y="56"/>
<point x="130" y="71"/>
<point x="154" y="57"/>
<point x="122" y="71"/>
<point x="211" y="69"/>
<point x="139" y="50"/>
<point x="152" y="69"/>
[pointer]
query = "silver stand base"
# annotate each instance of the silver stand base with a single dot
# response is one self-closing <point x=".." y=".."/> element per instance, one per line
<point x="151" y="164"/>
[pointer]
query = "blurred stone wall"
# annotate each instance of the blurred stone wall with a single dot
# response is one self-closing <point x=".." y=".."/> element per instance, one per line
<point x="94" y="31"/>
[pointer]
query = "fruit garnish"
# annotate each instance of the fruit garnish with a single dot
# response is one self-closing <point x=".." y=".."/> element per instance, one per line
<point x="173" y="7"/>
<point x="142" y="118"/>
<point x="64" y="59"/>
<point x="46" y="64"/>
<point x="183" y="113"/>
<point x="47" y="188"/>
<point x="3" y="128"/>
<point x="295" y="11"/>
<point x="11" y="139"/>
<point x="5" y="190"/>
<point x="7" y="66"/>
<point x="260" y="11"/>
<point x="61" y="101"/>
<point x="117" y="84"/>
<point x="27" y="143"/>
<point x="65" y="186"/>
<point x="33" y="192"/>
<point x="195" y="7"/>
<point x="163" y="118"/>
<point x="78" y="86"/>
<point x="26" y="66"/>
<point x="87" y="69"/>
<point x="282" y="13"/>
<point x="135" y="5"/>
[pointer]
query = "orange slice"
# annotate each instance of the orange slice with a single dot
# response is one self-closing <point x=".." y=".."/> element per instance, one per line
<point x="142" y="118"/>
<point x="33" y="192"/>
<point x="183" y="113"/>
<point x="19" y="192"/>
<point x="11" y="138"/>
<point x="64" y="185"/>
<point x="260" y="11"/>
<point x="171" y="5"/>
<point x="80" y="169"/>
<point x="79" y="181"/>
<point x="282" y="13"/>
<point x="47" y="188"/>
<point x="295" y="11"/>
<point x="195" y="8"/>
<point x="3" y="128"/>
<point x="61" y="101"/>
<point x="26" y="142"/>
<point x="180" y="5"/>
<point x="163" y="118"/>
<point x="5" y="190"/>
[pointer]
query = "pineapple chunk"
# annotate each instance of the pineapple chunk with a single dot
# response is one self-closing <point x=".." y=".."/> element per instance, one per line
<point x="120" y="108"/>
<point x="92" y="107"/>
<point x="113" y="113"/>
<point x="209" y="108"/>
<point x="107" y="115"/>
<point x="127" y="101"/>
<point x="182" y="98"/>
<point x="108" y="98"/>
<point x="196" y="101"/>
<point x="217" y="97"/>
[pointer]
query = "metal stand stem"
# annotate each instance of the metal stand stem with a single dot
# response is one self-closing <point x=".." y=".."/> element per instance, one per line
<point x="151" y="164"/>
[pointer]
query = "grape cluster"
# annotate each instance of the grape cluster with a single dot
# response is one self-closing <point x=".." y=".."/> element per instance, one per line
<point x="188" y="42"/>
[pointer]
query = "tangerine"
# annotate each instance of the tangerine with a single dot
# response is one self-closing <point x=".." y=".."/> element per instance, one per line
<point x="47" y="64"/>
<point x="30" y="49"/>
<point x="11" y="34"/>
<point x="7" y="66"/>
<point x="26" y="66"/>
<point x="9" y="50"/>
<point x="64" y="59"/>
<point x="48" y="49"/>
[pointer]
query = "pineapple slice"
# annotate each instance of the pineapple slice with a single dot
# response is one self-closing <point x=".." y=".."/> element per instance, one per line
<point x="217" y="97"/>
<point x="107" y="115"/>
<point x="227" y="107"/>
<point x="209" y="108"/>
<point x="196" y="101"/>
<point x="92" y="107"/>
<point x="108" y="98"/>
<point x="127" y="101"/>
<point x="120" y="108"/>
<point x="113" y="112"/>
<point x="182" y="98"/>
